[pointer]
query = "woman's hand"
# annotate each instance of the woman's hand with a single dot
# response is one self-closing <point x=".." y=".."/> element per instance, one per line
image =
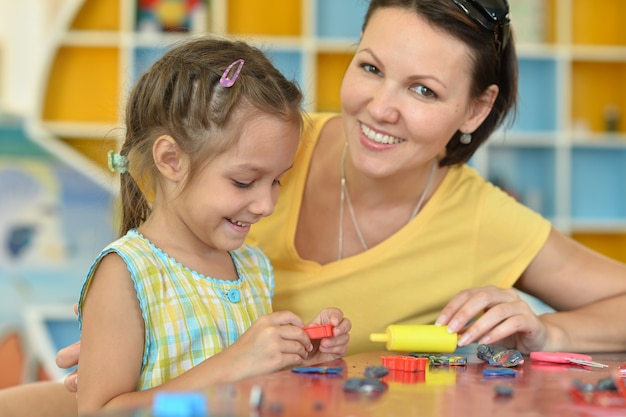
<point x="68" y="357"/>
<point x="330" y="348"/>
<point x="494" y="315"/>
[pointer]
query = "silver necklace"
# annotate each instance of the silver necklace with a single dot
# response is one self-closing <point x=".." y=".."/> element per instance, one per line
<point x="345" y="196"/>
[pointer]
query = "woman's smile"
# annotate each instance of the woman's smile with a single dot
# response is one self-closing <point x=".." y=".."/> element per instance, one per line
<point x="379" y="137"/>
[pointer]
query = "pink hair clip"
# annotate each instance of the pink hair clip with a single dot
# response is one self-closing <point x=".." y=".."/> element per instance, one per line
<point x="227" y="81"/>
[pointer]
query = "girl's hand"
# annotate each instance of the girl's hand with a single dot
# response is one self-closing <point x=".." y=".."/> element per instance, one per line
<point x="489" y="315"/>
<point x="330" y="348"/>
<point x="273" y="342"/>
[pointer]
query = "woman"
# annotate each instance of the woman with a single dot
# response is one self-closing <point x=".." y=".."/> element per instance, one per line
<point x="380" y="216"/>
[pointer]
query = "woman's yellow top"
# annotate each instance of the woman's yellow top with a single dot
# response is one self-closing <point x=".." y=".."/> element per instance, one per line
<point x="469" y="234"/>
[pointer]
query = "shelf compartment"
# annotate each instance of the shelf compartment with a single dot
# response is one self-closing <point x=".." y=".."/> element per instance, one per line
<point x="83" y="86"/>
<point x="98" y="15"/>
<point x="95" y="149"/>
<point x="537" y="107"/>
<point x="598" y="184"/>
<point x="254" y="17"/>
<point x="173" y="16"/>
<point x="596" y="88"/>
<point x="527" y="173"/>
<point x="143" y="58"/>
<point x="289" y="62"/>
<point x="598" y="22"/>
<point x="340" y="19"/>
<point x="330" y="70"/>
<point x="610" y="244"/>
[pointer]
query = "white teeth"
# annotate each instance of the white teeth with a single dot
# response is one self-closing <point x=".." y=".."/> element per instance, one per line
<point x="379" y="137"/>
<point x="238" y="223"/>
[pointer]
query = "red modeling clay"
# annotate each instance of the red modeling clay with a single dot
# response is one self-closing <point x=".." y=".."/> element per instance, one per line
<point x="404" y="363"/>
<point x="319" y="332"/>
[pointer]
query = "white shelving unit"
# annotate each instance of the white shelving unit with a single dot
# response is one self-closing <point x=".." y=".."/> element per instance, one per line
<point x="568" y="169"/>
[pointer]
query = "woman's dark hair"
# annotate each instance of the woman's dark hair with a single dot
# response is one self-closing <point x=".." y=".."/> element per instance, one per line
<point x="181" y="96"/>
<point x="491" y="66"/>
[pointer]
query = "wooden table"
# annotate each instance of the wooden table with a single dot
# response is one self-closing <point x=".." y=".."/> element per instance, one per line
<point x="540" y="389"/>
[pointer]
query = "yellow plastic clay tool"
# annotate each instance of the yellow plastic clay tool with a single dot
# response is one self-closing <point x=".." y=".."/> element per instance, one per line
<point x="422" y="338"/>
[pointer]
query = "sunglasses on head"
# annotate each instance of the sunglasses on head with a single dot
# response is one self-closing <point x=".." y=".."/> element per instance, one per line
<point x="492" y="15"/>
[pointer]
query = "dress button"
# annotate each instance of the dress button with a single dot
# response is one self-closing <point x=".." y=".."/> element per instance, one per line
<point x="234" y="296"/>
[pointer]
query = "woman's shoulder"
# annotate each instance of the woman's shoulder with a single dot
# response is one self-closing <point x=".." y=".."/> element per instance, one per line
<point x="464" y="179"/>
<point x="469" y="189"/>
<point x="314" y="123"/>
<point x="466" y="187"/>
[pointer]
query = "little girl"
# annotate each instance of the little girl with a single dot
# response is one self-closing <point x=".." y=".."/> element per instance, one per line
<point x="178" y="303"/>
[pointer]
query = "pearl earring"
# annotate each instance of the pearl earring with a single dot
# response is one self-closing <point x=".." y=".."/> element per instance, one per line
<point x="466" y="138"/>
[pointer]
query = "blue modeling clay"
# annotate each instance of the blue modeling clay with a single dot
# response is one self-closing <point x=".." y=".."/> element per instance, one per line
<point x="179" y="404"/>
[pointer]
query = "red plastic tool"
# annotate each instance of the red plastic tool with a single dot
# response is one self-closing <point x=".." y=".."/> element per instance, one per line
<point x="564" y="357"/>
<point x="404" y="363"/>
<point x="319" y="332"/>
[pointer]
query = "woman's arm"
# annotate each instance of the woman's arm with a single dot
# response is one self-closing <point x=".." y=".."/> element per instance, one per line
<point x="587" y="288"/>
<point x="42" y="399"/>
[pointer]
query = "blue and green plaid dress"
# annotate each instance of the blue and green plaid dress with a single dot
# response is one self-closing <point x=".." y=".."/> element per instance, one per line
<point x="189" y="317"/>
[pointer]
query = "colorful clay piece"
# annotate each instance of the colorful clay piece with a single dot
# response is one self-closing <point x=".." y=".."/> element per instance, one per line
<point x="404" y="363"/>
<point x="499" y="372"/>
<point x="319" y="332"/>
<point x="183" y="404"/>
<point x="364" y="385"/>
<point x="317" y="369"/>
<point x="450" y="360"/>
<point x="376" y="371"/>
<point x="607" y="392"/>
<point x="370" y="383"/>
<point x="502" y="390"/>
<point x="499" y="356"/>
<point x="442" y="359"/>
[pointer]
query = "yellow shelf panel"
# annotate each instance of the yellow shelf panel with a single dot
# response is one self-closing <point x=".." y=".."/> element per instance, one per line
<point x="267" y="17"/>
<point x="83" y="86"/>
<point x="330" y="70"/>
<point x="595" y="87"/>
<point x="95" y="149"/>
<point x="599" y="22"/>
<point x="611" y="245"/>
<point x="98" y="15"/>
<point x="550" y="20"/>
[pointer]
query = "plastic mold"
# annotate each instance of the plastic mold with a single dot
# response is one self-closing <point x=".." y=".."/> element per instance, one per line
<point x="319" y="332"/>
<point x="404" y="363"/>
